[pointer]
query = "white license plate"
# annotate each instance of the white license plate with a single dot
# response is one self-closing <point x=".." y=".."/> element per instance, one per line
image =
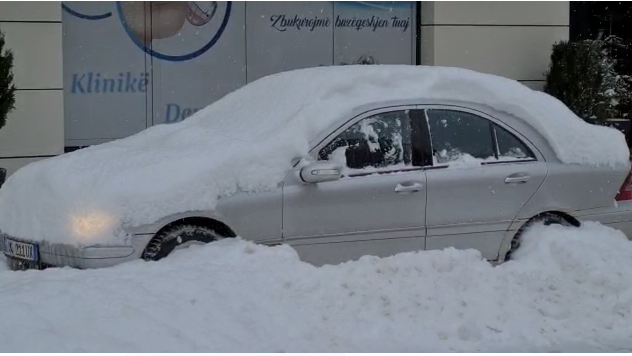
<point x="21" y="250"/>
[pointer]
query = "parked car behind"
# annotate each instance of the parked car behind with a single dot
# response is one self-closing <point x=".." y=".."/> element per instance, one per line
<point x="338" y="162"/>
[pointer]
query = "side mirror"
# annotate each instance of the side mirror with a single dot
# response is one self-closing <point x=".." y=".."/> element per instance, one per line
<point x="321" y="171"/>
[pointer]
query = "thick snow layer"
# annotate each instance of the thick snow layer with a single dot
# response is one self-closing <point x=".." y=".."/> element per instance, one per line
<point x="246" y="142"/>
<point x="568" y="290"/>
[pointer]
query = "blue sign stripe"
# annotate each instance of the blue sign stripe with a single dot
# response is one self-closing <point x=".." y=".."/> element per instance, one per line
<point x="84" y="16"/>
<point x="175" y="58"/>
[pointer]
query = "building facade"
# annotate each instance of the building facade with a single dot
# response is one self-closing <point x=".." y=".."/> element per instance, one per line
<point x="91" y="72"/>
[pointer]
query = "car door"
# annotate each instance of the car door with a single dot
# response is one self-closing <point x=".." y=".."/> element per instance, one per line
<point x="377" y="207"/>
<point x="483" y="174"/>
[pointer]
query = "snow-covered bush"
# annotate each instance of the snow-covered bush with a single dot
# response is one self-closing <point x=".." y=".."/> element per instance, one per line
<point x="7" y="89"/>
<point x="582" y="75"/>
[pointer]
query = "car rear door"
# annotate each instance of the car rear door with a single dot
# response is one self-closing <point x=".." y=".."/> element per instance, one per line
<point x="483" y="173"/>
<point x="377" y="207"/>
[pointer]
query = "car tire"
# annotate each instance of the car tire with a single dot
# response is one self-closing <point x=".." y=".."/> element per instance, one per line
<point x="167" y="240"/>
<point x="547" y="219"/>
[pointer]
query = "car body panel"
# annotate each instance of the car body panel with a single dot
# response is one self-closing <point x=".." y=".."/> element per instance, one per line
<point x="79" y="257"/>
<point x="474" y="207"/>
<point x="574" y="188"/>
<point x="352" y="210"/>
<point x="252" y="216"/>
<point x="617" y="216"/>
<point x="349" y="214"/>
<point x="342" y="220"/>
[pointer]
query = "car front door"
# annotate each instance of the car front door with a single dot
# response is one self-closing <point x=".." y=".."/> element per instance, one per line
<point x="483" y="174"/>
<point x="377" y="207"/>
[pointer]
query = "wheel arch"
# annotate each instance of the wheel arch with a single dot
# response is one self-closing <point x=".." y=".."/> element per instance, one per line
<point x="215" y="224"/>
<point x="564" y="215"/>
<point x="506" y="244"/>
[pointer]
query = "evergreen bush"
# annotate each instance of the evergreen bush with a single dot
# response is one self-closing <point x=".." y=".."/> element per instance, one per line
<point x="582" y="75"/>
<point x="7" y="89"/>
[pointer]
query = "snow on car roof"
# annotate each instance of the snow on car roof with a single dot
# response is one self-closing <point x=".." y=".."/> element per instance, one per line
<point x="246" y="142"/>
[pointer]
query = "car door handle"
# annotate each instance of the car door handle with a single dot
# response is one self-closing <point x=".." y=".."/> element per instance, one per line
<point x="409" y="188"/>
<point x="517" y="178"/>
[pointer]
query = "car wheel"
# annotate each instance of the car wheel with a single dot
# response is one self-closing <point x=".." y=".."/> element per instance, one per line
<point x="546" y="219"/>
<point x="166" y="241"/>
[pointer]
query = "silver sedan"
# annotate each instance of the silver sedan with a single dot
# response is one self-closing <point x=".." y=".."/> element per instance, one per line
<point x="389" y="178"/>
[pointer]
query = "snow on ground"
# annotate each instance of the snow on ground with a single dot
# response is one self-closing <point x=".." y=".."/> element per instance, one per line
<point x="568" y="290"/>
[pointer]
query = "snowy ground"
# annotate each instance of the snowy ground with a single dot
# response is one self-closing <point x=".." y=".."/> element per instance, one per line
<point x="569" y="290"/>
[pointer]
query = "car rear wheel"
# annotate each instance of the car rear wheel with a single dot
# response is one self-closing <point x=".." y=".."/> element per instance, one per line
<point x="546" y="219"/>
<point x="178" y="236"/>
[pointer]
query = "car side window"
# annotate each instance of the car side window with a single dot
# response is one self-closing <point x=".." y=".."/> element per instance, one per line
<point x="379" y="141"/>
<point x="510" y="147"/>
<point x="459" y="136"/>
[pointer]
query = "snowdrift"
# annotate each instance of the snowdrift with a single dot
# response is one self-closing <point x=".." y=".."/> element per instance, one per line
<point x="568" y="290"/>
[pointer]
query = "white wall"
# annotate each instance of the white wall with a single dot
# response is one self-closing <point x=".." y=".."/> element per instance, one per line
<point x="35" y="129"/>
<point x="508" y="38"/>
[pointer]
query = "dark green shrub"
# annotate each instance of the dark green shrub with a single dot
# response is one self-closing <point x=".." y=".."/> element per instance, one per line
<point x="582" y="75"/>
<point x="7" y="89"/>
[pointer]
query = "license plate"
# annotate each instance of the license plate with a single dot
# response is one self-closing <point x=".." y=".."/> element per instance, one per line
<point x="23" y="250"/>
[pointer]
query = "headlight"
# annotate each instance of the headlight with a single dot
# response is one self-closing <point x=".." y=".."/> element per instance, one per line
<point x="90" y="225"/>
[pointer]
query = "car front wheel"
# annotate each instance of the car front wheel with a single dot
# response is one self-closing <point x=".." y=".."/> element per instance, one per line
<point x="166" y="241"/>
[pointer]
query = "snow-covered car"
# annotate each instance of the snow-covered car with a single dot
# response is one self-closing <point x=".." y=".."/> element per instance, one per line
<point x="338" y="162"/>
